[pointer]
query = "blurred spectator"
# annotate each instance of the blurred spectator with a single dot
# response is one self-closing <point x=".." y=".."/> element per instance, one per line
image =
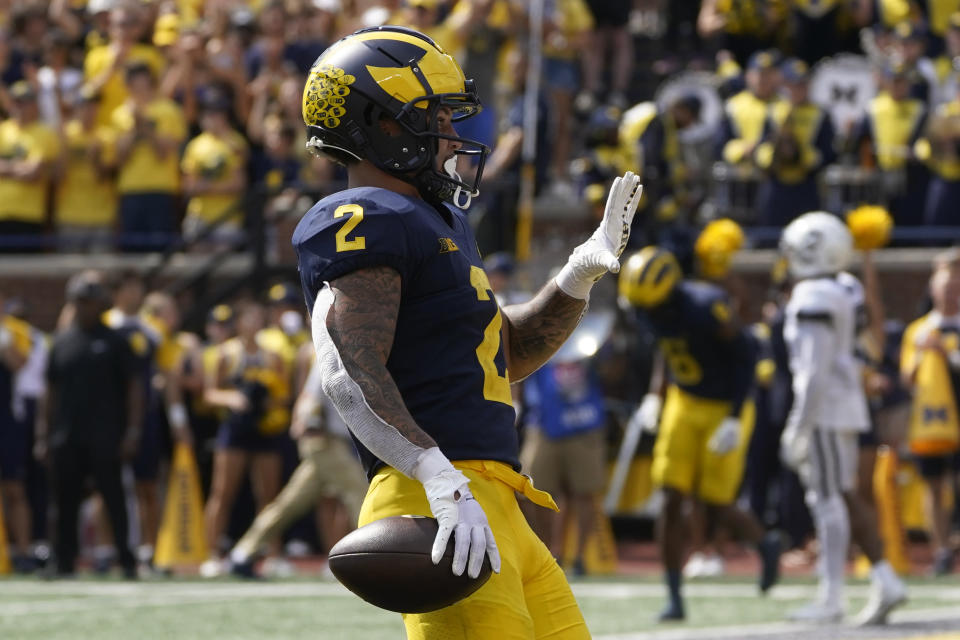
<point x="940" y="150"/>
<point x="930" y="365"/>
<point x="565" y="449"/>
<point x="610" y="18"/>
<point x="311" y="31"/>
<point x="85" y="205"/>
<point x="883" y="140"/>
<point x="28" y="149"/>
<point x="58" y="83"/>
<point x="424" y="16"/>
<point x="95" y="412"/>
<point x="651" y="138"/>
<point x="105" y="65"/>
<point x="484" y="26"/>
<point x="249" y="384"/>
<point x="566" y="30"/>
<point x="746" y="113"/>
<point x="909" y="45"/>
<point x="947" y="64"/>
<point x="275" y="165"/>
<point x="740" y="27"/>
<point x="497" y="229"/>
<point x="328" y="468"/>
<point x="214" y="176"/>
<point x="150" y="130"/>
<point x="15" y="347"/>
<point x="820" y="29"/>
<point x="797" y="144"/>
<point x="938" y="14"/>
<point x="29" y="390"/>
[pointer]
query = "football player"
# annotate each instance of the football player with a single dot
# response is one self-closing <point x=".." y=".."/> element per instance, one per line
<point x="413" y="349"/>
<point x="707" y="420"/>
<point x="829" y="411"/>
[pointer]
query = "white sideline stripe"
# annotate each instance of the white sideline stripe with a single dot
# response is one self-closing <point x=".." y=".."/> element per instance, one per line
<point x="607" y="590"/>
<point x="763" y="629"/>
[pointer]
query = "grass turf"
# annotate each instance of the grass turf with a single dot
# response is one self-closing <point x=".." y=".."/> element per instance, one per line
<point x="186" y="609"/>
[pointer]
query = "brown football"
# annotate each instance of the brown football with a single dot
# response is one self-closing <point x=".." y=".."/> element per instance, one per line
<point x="387" y="563"/>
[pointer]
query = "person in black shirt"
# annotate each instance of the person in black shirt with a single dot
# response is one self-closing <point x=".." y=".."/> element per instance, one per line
<point x="94" y="411"/>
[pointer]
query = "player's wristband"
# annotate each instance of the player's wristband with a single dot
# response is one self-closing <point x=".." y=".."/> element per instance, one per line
<point x="568" y="282"/>
<point x="433" y="463"/>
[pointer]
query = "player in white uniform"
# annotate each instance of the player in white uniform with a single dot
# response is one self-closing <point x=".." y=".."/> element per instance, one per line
<point x="829" y="411"/>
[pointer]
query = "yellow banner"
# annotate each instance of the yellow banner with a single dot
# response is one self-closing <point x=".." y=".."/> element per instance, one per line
<point x="181" y="539"/>
<point x="600" y="552"/>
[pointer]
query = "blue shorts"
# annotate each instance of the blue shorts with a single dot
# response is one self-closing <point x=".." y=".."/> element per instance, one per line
<point x="148" y="221"/>
<point x="146" y="466"/>
<point x="562" y="75"/>
<point x="233" y="435"/>
<point x="14" y="446"/>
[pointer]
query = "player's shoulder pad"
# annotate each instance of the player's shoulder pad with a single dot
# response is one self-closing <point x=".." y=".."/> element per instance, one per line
<point x="818" y="299"/>
<point x="852" y="285"/>
<point x="381" y="209"/>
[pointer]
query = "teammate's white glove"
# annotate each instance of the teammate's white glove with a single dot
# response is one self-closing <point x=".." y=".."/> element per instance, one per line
<point x="599" y="253"/>
<point x="6" y="337"/>
<point x="458" y="513"/>
<point x="727" y="436"/>
<point x="794" y="447"/>
<point x="647" y="414"/>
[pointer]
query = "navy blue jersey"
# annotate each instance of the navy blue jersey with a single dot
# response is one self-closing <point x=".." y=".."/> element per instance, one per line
<point x="447" y="358"/>
<point x="700" y="359"/>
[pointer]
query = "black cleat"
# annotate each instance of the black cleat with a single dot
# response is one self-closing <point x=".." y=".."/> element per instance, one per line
<point x="673" y="612"/>
<point x="769" y="549"/>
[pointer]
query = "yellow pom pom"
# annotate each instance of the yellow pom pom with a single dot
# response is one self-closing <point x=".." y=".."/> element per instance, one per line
<point x="870" y="226"/>
<point x="716" y="246"/>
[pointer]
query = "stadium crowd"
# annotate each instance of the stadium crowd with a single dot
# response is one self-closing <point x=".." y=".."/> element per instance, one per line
<point x="132" y="125"/>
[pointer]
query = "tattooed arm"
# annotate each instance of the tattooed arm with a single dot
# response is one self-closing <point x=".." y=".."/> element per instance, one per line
<point x="360" y="323"/>
<point x="534" y="330"/>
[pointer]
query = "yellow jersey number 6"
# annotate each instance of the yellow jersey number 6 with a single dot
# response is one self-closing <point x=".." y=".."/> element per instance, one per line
<point x="496" y="387"/>
<point x="356" y="215"/>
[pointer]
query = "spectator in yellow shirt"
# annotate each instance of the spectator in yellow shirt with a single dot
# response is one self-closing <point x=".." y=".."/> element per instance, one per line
<point x="150" y="130"/>
<point x="28" y="149"/>
<point x="214" y="175"/>
<point x="85" y="209"/>
<point x="103" y="67"/>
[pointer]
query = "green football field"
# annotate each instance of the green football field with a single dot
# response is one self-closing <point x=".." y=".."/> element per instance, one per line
<point x="617" y="608"/>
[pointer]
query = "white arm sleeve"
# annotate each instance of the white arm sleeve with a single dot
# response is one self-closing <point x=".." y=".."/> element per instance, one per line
<point x="382" y="439"/>
<point x="811" y="350"/>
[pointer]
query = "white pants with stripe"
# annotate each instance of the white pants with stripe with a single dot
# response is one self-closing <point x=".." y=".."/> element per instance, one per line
<point x="831" y="467"/>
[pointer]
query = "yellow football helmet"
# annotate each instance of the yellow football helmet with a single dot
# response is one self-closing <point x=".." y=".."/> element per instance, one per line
<point x="648" y="277"/>
<point x="396" y="74"/>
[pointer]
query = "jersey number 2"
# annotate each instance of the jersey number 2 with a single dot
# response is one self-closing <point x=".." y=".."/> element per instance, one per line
<point x="356" y="215"/>
<point x="496" y="387"/>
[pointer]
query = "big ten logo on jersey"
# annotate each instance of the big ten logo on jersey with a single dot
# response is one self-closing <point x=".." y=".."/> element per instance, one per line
<point x="683" y="367"/>
<point x="325" y="97"/>
<point x="496" y="387"/>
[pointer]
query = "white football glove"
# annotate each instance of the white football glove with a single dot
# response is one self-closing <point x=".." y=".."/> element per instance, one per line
<point x="794" y="447"/>
<point x="727" y="436"/>
<point x="647" y="415"/>
<point x="599" y="253"/>
<point x="458" y="513"/>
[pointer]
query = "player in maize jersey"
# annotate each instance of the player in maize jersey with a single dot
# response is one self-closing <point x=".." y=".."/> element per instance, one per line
<point x="412" y="347"/>
<point x="829" y="412"/>
<point x="707" y="419"/>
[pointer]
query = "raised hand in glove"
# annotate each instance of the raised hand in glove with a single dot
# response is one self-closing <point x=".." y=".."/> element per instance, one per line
<point x="599" y="253"/>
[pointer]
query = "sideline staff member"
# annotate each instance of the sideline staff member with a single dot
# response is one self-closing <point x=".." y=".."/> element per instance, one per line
<point x="95" y="411"/>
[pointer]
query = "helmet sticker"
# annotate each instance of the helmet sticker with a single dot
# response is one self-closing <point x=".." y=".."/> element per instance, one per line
<point x="325" y="97"/>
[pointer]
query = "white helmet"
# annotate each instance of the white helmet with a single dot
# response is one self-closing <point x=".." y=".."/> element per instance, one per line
<point x="816" y="244"/>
